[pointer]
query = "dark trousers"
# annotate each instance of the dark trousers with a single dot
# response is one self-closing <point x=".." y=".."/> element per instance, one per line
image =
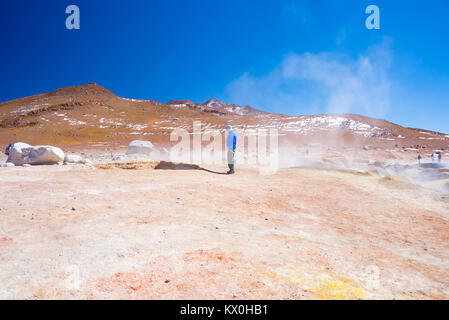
<point x="231" y="159"/>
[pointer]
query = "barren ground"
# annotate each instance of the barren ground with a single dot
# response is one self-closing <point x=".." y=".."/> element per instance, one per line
<point x="302" y="233"/>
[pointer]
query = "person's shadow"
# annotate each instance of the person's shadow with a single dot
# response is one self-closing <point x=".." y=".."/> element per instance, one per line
<point x="166" y="165"/>
<point x="214" y="172"/>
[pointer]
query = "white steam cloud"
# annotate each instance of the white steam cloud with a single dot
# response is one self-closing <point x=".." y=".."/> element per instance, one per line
<point x="327" y="82"/>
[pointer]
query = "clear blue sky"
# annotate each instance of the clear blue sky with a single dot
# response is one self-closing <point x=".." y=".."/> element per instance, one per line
<point x="293" y="57"/>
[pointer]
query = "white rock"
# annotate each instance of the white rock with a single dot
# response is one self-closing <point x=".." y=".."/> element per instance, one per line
<point x="73" y="158"/>
<point x="15" y="153"/>
<point x="22" y="153"/>
<point x="7" y="165"/>
<point x="118" y="158"/>
<point x="140" y="147"/>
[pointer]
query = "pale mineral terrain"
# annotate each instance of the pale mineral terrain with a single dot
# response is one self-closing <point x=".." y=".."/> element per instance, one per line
<point x="85" y="232"/>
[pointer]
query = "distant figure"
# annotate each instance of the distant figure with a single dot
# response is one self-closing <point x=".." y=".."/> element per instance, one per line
<point x="231" y="144"/>
<point x="8" y="148"/>
<point x="433" y="157"/>
<point x="419" y="158"/>
<point x="439" y="157"/>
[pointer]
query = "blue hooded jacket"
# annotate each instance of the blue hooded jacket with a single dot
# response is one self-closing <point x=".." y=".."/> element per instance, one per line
<point x="8" y="148"/>
<point x="231" y="140"/>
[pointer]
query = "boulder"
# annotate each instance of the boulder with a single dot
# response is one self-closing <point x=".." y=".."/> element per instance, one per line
<point x="74" y="158"/>
<point x="22" y="153"/>
<point x="7" y="165"/>
<point x="118" y="158"/>
<point x="140" y="147"/>
<point x="15" y="153"/>
<point x="376" y="163"/>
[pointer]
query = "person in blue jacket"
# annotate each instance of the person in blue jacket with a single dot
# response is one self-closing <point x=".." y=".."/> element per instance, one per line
<point x="231" y="144"/>
<point x="9" y="148"/>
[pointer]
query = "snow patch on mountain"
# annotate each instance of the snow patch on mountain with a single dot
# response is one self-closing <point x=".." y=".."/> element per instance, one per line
<point x="309" y="125"/>
<point x="231" y="108"/>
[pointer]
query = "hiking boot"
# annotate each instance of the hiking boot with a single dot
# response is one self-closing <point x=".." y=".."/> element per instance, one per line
<point x="230" y="172"/>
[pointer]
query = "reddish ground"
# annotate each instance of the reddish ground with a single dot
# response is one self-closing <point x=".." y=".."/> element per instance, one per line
<point x="301" y="233"/>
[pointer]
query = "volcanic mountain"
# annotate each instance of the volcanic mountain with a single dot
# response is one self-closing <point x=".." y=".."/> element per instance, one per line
<point x="90" y="116"/>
